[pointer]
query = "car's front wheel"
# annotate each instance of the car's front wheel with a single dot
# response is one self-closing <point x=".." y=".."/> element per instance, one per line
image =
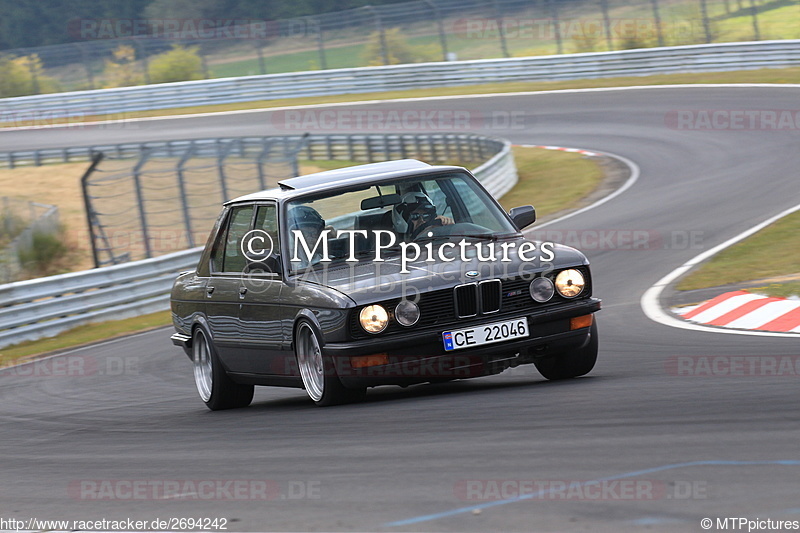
<point x="572" y="364"/>
<point x="216" y="389"/>
<point x="318" y="372"/>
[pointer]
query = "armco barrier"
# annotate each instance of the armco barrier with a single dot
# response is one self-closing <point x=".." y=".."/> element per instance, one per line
<point x="639" y="62"/>
<point x="45" y="307"/>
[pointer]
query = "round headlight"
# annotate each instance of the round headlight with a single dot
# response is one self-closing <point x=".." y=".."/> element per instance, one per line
<point x="542" y="290"/>
<point x="373" y="318"/>
<point x="407" y="313"/>
<point x="570" y="283"/>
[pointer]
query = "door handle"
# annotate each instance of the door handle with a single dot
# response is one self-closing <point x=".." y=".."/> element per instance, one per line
<point x="242" y="291"/>
<point x="209" y="290"/>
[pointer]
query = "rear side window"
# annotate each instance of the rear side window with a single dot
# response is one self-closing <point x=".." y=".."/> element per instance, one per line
<point x="228" y="257"/>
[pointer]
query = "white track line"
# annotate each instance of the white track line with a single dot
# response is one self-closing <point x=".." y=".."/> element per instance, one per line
<point x="414" y="99"/>
<point x="651" y="299"/>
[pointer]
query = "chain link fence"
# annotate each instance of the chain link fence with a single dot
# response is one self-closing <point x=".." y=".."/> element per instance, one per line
<point x="167" y="198"/>
<point x="111" y="53"/>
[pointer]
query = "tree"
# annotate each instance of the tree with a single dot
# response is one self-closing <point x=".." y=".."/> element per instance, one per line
<point x="21" y="76"/>
<point x="179" y="64"/>
<point x="121" y="70"/>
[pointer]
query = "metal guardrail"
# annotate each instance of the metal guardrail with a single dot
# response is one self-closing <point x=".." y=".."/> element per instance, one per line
<point x="45" y="307"/>
<point x="639" y="62"/>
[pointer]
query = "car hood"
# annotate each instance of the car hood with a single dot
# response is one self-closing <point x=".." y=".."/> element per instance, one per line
<point x="368" y="281"/>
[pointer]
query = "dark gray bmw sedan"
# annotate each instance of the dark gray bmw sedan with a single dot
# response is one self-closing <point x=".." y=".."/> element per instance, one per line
<point x="387" y="273"/>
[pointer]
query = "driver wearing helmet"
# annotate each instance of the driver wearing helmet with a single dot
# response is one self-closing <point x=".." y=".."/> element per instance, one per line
<point x="415" y="213"/>
<point x="311" y="224"/>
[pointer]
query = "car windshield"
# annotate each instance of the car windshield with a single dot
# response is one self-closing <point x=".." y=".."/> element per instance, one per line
<point x="354" y="222"/>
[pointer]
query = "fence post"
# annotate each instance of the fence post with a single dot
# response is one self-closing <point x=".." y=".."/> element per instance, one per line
<point x="87" y="64"/>
<point x="261" y="67"/>
<point x="556" y="25"/>
<point x="754" y="11"/>
<point x="381" y="33"/>
<point x="657" y="18"/>
<point x="323" y="62"/>
<point x="706" y="24"/>
<point x="440" y="26"/>
<point x="607" y="24"/>
<point x="187" y="219"/>
<point x="222" y="154"/>
<point x="501" y="29"/>
<point x="137" y="183"/>
<point x="98" y="156"/>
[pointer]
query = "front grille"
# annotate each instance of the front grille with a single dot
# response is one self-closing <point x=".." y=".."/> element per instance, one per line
<point x="491" y="291"/>
<point x="466" y="298"/>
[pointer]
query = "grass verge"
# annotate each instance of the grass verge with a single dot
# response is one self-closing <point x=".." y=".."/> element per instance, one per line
<point x="84" y="335"/>
<point x="778" y="290"/>
<point x="789" y="75"/>
<point x="542" y="182"/>
<point x="773" y="251"/>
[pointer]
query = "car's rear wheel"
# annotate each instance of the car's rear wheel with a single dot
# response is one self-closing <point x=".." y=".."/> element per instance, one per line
<point x="216" y="389"/>
<point x="318" y="372"/>
<point x="572" y="364"/>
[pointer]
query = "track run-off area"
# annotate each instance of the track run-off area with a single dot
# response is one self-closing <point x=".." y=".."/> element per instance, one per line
<point x="673" y="425"/>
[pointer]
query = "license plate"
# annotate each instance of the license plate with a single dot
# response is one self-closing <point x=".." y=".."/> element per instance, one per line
<point x="485" y="334"/>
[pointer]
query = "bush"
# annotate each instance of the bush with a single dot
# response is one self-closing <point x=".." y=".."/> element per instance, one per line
<point x="21" y="76"/>
<point x="179" y="64"/>
<point x="46" y="256"/>
<point x="121" y="70"/>
<point x="398" y="49"/>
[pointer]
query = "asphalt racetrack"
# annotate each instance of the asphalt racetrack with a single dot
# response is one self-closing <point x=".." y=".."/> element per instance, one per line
<point x="641" y="443"/>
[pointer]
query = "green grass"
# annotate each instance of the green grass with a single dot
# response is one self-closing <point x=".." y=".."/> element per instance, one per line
<point x="550" y="180"/>
<point x="84" y="335"/>
<point x="773" y="251"/>
<point x="779" y="290"/>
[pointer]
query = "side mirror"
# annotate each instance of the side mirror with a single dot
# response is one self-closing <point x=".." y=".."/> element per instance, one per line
<point x="522" y="217"/>
<point x="267" y="265"/>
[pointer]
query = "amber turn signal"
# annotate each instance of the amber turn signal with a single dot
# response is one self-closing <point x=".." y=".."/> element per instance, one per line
<point x="363" y="361"/>
<point x="579" y="322"/>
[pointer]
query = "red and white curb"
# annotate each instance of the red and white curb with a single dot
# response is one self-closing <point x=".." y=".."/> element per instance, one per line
<point x="745" y="310"/>
<point x="561" y="149"/>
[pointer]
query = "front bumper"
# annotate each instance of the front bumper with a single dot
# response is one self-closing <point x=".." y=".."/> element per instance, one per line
<point x="419" y="356"/>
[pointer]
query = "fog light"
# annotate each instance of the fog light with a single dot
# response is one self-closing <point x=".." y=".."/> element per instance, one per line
<point x="363" y="361"/>
<point x="578" y="322"/>
<point x="406" y="313"/>
<point x="542" y="289"/>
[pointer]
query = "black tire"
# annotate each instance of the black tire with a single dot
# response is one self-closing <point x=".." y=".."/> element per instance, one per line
<point x="217" y="390"/>
<point x="318" y="371"/>
<point x="572" y="364"/>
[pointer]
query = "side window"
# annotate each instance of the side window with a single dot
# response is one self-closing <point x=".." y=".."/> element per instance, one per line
<point x="232" y="259"/>
<point x="267" y="220"/>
